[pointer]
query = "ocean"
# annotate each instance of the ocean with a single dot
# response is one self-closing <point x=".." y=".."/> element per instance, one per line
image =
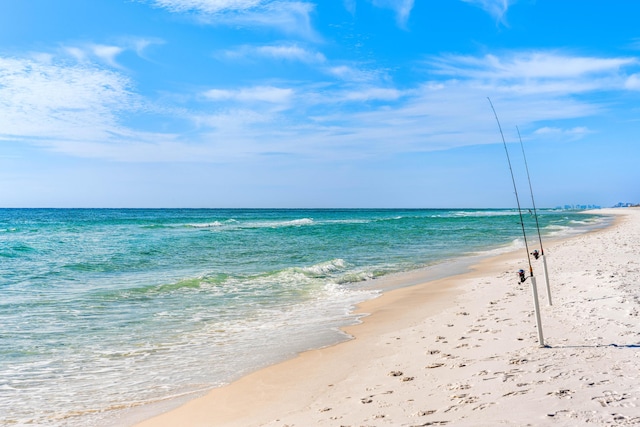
<point x="105" y="310"/>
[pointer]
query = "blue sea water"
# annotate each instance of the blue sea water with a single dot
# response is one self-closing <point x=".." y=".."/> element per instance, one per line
<point x="107" y="309"/>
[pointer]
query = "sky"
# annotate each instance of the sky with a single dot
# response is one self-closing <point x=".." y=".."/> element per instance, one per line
<point x="318" y="104"/>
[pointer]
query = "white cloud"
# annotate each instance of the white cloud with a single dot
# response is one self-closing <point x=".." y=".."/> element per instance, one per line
<point x="287" y="15"/>
<point x="232" y="119"/>
<point x="140" y="45"/>
<point x="43" y="100"/>
<point x="207" y="6"/>
<point x="287" y="52"/>
<point x="350" y="73"/>
<point x="528" y="65"/>
<point x="350" y="5"/>
<point x="496" y="8"/>
<point x="402" y="8"/>
<point x="546" y="130"/>
<point x="86" y="53"/>
<point x="633" y="82"/>
<point x="107" y="54"/>
<point x="370" y="94"/>
<point x="538" y="72"/>
<point x="570" y="133"/>
<point x="268" y="94"/>
<point x="77" y="53"/>
<point x="291" y="52"/>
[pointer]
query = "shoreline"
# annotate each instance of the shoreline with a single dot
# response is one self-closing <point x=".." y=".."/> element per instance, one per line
<point x="344" y="382"/>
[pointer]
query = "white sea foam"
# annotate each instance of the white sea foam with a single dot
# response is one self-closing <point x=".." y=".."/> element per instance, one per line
<point x="514" y="245"/>
<point x="205" y="225"/>
<point x="325" y="267"/>
<point x="298" y="222"/>
<point x="277" y="224"/>
<point x="484" y="213"/>
<point x="348" y="221"/>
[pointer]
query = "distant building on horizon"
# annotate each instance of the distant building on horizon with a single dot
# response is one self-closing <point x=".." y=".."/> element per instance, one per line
<point x="578" y="207"/>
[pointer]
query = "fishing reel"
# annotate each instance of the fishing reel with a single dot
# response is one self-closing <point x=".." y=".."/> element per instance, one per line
<point x="522" y="276"/>
<point x="535" y="254"/>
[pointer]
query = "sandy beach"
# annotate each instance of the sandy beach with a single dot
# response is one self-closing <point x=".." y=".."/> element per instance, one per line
<point x="463" y="351"/>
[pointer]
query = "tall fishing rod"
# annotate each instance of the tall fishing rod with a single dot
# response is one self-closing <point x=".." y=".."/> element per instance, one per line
<point x="534" y="287"/>
<point x="535" y="214"/>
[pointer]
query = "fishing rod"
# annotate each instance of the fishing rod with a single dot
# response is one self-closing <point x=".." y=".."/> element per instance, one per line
<point x="534" y="287"/>
<point x="535" y="213"/>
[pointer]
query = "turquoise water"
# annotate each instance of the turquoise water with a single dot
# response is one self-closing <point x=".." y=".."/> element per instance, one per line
<point x="106" y="309"/>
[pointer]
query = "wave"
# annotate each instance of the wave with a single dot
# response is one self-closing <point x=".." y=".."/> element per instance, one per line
<point x="153" y="226"/>
<point x="233" y="224"/>
<point x="515" y="244"/>
<point x="291" y="279"/>
<point x="356" y="277"/>
<point x="589" y="221"/>
<point x="324" y="268"/>
<point x="214" y="224"/>
<point x="350" y="221"/>
<point x="278" y="224"/>
<point x="466" y="214"/>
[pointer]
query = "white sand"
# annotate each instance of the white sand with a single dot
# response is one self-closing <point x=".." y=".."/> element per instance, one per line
<point x="463" y="351"/>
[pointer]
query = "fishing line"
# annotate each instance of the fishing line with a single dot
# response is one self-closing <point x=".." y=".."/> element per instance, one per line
<point x="515" y="189"/>
<point x="534" y="288"/>
<point x="535" y="212"/>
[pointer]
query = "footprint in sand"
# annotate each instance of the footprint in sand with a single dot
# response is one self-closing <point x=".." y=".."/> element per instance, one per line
<point x="458" y="386"/>
<point x="483" y="406"/>
<point x="516" y="393"/>
<point x="434" y="365"/>
<point x="612" y="398"/>
<point x="564" y="393"/>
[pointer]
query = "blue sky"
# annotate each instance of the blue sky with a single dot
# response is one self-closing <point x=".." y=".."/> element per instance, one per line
<point x="336" y="103"/>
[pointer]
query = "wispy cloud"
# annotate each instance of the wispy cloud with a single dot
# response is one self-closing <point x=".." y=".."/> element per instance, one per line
<point x="350" y="5"/>
<point x="496" y="8"/>
<point x="289" y="16"/>
<point x="78" y="109"/>
<point x="633" y="82"/>
<point x="286" y="52"/>
<point x="575" y="131"/>
<point x="529" y="65"/>
<point x="354" y="73"/>
<point x="141" y="44"/>
<point x="371" y="94"/>
<point x="268" y="94"/>
<point x="108" y="54"/>
<point x="83" y="109"/>
<point x="45" y="100"/>
<point x="538" y="72"/>
<point x="208" y="6"/>
<point x="402" y="9"/>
